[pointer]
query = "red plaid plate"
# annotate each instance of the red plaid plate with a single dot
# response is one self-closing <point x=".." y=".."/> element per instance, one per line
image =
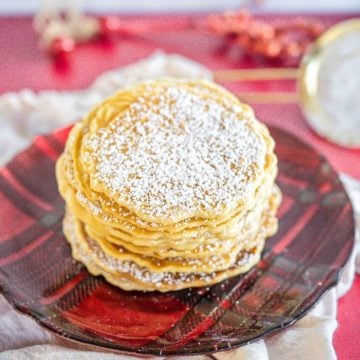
<point x="39" y="277"/>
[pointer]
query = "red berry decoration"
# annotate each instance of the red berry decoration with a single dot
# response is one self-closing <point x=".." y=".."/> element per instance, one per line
<point x="286" y="40"/>
<point x="62" y="46"/>
<point x="110" y="25"/>
<point x="60" y="30"/>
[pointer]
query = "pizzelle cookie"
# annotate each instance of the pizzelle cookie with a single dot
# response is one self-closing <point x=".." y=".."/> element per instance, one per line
<point x="169" y="184"/>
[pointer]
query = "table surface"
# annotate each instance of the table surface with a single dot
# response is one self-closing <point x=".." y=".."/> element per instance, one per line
<point x="24" y="65"/>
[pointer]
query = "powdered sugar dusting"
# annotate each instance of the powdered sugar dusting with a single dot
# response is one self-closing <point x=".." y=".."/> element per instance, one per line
<point x="176" y="151"/>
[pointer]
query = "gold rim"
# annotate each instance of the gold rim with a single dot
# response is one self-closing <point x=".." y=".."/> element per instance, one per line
<point x="308" y="78"/>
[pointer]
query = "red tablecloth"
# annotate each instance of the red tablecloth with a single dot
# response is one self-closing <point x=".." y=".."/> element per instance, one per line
<point x="24" y="65"/>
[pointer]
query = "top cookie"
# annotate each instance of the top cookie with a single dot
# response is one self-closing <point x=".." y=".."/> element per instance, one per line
<point x="170" y="150"/>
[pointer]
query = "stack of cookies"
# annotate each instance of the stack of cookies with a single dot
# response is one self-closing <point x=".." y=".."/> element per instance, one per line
<point x="169" y="185"/>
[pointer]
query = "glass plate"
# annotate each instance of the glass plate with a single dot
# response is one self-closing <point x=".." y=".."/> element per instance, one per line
<point x="39" y="277"/>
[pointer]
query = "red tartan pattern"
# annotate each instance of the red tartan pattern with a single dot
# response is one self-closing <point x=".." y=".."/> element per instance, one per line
<point x="303" y="260"/>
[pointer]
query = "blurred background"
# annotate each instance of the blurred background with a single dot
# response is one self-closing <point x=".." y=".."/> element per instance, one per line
<point x="105" y="6"/>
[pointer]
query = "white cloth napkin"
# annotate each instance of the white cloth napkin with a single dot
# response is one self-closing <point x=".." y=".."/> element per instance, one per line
<point x="24" y="114"/>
